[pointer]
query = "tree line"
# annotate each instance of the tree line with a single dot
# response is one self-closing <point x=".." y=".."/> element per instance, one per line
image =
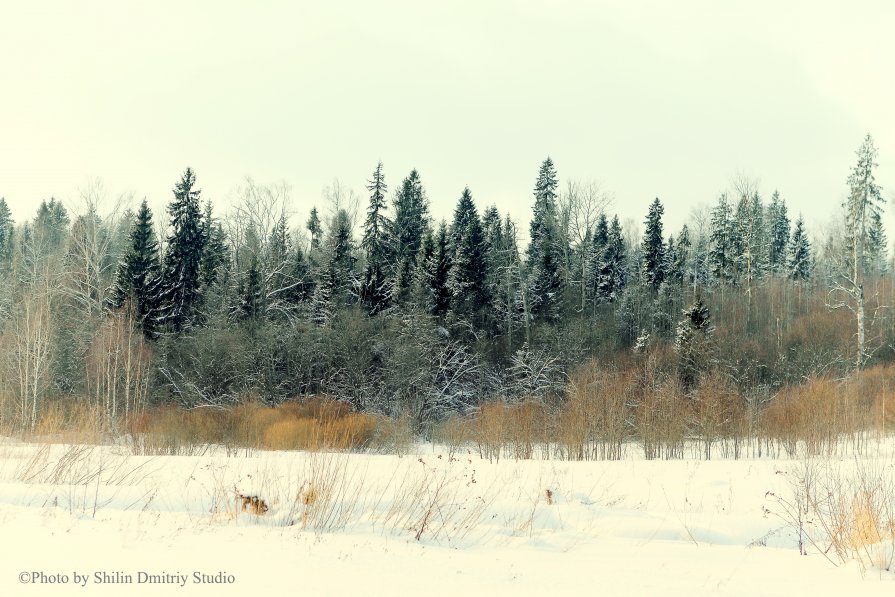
<point x="425" y="318"/>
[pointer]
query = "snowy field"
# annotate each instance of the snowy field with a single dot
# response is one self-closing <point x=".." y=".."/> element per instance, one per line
<point x="98" y="520"/>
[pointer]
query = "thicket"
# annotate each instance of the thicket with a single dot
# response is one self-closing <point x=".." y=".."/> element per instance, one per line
<point x="588" y="337"/>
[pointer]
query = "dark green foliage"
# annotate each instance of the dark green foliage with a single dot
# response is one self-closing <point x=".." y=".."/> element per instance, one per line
<point x="693" y="343"/>
<point x="408" y="228"/>
<point x="653" y="248"/>
<point x="375" y="289"/>
<point x="7" y="232"/>
<point x="180" y="287"/>
<point x="779" y="234"/>
<point x="137" y="280"/>
<point x="468" y="281"/>
<point x="800" y="265"/>
<point x="544" y="254"/>
<point x="315" y="229"/>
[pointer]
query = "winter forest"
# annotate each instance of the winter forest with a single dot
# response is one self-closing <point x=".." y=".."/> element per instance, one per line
<point x="369" y="303"/>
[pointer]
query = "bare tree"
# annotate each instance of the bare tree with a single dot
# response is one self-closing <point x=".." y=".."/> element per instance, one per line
<point x="89" y="266"/>
<point x="31" y="351"/>
<point x="582" y="203"/>
<point x="118" y="367"/>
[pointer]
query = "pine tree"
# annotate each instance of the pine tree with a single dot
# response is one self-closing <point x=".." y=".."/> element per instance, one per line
<point x="468" y="275"/>
<point x="596" y="270"/>
<point x="137" y="280"/>
<point x="337" y="284"/>
<point x="180" y="286"/>
<point x="216" y="255"/>
<point x="723" y="251"/>
<point x="251" y="294"/>
<point x="779" y="235"/>
<point x="799" y="254"/>
<point x="680" y="266"/>
<point x="50" y="226"/>
<point x="544" y="255"/>
<point x="7" y="229"/>
<point x="375" y="291"/>
<point x="315" y="229"/>
<point x="408" y="228"/>
<point x="614" y="272"/>
<point x="438" y="268"/>
<point x="653" y="247"/>
<point x="877" y="252"/>
<point x="693" y="343"/>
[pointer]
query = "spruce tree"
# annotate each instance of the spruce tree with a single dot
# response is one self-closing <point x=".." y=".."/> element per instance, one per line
<point x="180" y="287"/>
<point x="438" y="269"/>
<point x="315" y="229"/>
<point x="408" y="228"/>
<point x="7" y="228"/>
<point x="468" y="276"/>
<point x="614" y="272"/>
<point x="653" y="247"/>
<point x="877" y="252"/>
<point x="544" y="255"/>
<point x="597" y="268"/>
<point x="799" y="253"/>
<point x="216" y="255"/>
<point x="723" y="244"/>
<point x="375" y="290"/>
<point x="137" y="280"/>
<point x="778" y="244"/>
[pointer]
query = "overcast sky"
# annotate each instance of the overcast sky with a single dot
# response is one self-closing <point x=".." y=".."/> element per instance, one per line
<point x="664" y="99"/>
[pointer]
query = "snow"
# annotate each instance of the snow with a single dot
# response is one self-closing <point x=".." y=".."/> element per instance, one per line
<point x="342" y="524"/>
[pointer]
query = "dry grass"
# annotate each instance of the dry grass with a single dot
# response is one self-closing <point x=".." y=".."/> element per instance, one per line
<point x="314" y="424"/>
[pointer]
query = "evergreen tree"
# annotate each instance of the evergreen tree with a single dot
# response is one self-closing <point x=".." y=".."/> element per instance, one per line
<point x="180" y="286"/>
<point x="597" y="269"/>
<point x="680" y="266"/>
<point x="375" y="290"/>
<point x="799" y="253"/>
<point x="437" y="270"/>
<point x="877" y="252"/>
<point x="251" y="294"/>
<point x="337" y="284"/>
<point x="653" y="247"/>
<point x="315" y="229"/>
<point x="137" y="279"/>
<point x="614" y="272"/>
<point x="216" y="255"/>
<point x="693" y="343"/>
<point x="50" y="227"/>
<point x="7" y="229"/>
<point x="544" y="255"/>
<point x="468" y="275"/>
<point x="723" y="252"/>
<point x="779" y="234"/>
<point x="408" y="228"/>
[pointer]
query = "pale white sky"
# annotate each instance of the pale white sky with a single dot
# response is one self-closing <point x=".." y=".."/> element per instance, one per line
<point x="666" y="99"/>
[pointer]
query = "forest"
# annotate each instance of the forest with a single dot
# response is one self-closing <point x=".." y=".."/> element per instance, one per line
<point x="592" y="327"/>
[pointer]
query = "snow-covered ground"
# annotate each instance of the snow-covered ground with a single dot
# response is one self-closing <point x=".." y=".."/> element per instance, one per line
<point x="433" y="523"/>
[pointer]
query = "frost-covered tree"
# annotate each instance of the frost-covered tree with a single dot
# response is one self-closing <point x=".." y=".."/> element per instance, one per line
<point x="652" y="264"/>
<point x="468" y="279"/>
<point x="375" y="289"/>
<point x="877" y="251"/>
<point x="137" y="278"/>
<point x="723" y="246"/>
<point x="544" y="254"/>
<point x="778" y="245"/>
<point x="800" y="263"/>
<point x="411" y="209"/>
<point x="180" y="284"/>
